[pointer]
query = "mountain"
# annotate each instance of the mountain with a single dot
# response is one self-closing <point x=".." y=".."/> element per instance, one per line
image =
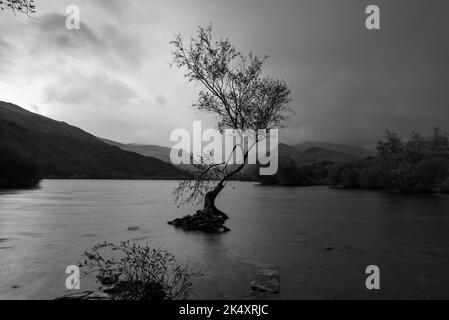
<point x="158" y="152"/>
<point x="316" y="154"/>
<point x="149" y="150"/>
<point x="348" y="149"/>
<point x="309" y="156"/>
<point x="60" y="150"/>
<point x="286" y="151"/>
<point x="163" y="153"/>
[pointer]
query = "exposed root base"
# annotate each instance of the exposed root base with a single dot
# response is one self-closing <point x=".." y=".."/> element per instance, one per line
<point x="209" y="219"/>
<point x="203" y="220"/>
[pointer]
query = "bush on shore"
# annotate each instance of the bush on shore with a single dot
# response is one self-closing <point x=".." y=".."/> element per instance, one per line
<point x="134" y="272"/>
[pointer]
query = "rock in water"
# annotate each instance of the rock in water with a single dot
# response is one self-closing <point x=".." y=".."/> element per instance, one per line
<point x="266" y="280"/>
<point x="201" y="221"/>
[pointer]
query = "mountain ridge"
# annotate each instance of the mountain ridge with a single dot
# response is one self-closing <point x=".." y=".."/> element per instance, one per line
<point x="61" y="150"/>
<point x="343" y="148"/>
<point x="65" y="151"/>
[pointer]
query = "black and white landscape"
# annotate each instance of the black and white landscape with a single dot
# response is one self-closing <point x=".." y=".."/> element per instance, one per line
<point x="92" y="205"/>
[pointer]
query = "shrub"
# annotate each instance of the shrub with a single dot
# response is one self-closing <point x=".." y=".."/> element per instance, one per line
<point x="288" y="174"/>
<point x="318" y="171"/>
<point x="291" y="175"/>
<point x="374" y="174"/>
<point x="138" y="272"/>
<point x="420" y="176"/>
<point x="344" y="175"/>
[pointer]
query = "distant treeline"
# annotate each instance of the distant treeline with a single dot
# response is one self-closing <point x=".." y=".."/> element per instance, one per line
<point x="420" y="164"/>
<point x="17" y="170"/>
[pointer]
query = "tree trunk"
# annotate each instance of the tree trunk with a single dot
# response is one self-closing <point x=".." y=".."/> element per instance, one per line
<point x="209" y="203"/>
<point x="209" y="219"/>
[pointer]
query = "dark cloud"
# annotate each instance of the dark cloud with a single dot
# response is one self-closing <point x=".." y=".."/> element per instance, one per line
<point x="106" y="44"/>
<point x="52" y="29"/>
<point x="100" y="90"/>
<point x="351" y="84"/>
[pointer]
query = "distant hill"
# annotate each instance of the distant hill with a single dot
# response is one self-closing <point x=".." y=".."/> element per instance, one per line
<point x="64" y="151"/>
<point x="312" y="155"/>
<point x="309" y="156"/>
<point x="158" y="152"/>
<point x="149" y="150"/>
<point x="286" y="151"/>
<point x="315" y="154"/>
<point x="348" y="149"/>
<point x="163" y="153"/>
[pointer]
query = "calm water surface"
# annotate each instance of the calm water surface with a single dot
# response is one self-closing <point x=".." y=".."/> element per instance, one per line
<point x="321" y="240"/>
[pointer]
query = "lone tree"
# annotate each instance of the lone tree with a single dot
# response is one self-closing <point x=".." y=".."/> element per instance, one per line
<point x="21" y="6"/>
<point x="234" y="90"/>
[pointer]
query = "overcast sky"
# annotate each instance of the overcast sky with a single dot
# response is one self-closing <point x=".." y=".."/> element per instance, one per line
<point x="112" y="77"/>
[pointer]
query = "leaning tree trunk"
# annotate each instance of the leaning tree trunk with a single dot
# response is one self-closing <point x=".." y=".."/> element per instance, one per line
<point x="209" y="219"/>
<point x="209" y="203"/>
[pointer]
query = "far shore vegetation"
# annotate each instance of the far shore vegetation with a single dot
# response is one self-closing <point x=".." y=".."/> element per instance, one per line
<point x="419" y="164"/>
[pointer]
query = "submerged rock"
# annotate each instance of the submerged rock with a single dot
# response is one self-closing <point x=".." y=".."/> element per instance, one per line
<point x="266" y="280"/>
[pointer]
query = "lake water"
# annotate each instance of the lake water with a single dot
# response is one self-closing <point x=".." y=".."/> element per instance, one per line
<point x="321" y="240"/>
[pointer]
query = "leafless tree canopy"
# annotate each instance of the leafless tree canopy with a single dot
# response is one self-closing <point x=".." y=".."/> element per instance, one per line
<point x="235" y="91"/>
<point x="21" y="6"/>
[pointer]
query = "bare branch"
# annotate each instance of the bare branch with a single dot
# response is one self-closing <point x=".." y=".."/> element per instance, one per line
<point x="21" y="6"/>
